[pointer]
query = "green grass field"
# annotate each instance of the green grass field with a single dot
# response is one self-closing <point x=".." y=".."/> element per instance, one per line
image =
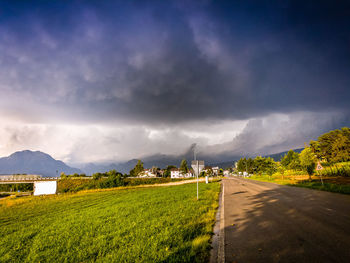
<point x="157" y="224"/>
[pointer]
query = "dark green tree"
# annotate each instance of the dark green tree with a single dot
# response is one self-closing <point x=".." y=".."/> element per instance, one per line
<point x="241" y="164"/>
<point x="97" y="176"/>
<point x="333" y="146"/>
<point x="184" y="167"/>
<point x="270" y="166"/>
<point x="137" y="169"/>
<point x="308" y="161"/>
<point x="291" y="160"/>
<point x="260" y="165"/>
<point x="167" y="172"/>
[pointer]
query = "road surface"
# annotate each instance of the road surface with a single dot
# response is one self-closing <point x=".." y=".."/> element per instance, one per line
<point x="265" y="222"/>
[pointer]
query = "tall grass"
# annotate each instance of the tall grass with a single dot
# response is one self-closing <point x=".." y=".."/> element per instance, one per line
<point x="336" y="170"/>
<point x="330" y="187"/>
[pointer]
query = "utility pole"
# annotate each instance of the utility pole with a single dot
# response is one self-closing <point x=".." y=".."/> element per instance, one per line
<point x="197" y="167"/>
<point x="197" y="164"/>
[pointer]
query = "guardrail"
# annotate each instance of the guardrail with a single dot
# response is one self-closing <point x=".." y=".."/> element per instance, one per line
<point x="27" y="179"/>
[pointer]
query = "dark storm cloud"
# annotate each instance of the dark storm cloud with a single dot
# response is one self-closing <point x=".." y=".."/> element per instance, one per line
<point x="157" y="61"/>
<point x="275" y="133"/>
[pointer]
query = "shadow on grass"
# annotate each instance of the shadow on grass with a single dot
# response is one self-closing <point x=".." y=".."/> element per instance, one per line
<point x="329" y="187"/>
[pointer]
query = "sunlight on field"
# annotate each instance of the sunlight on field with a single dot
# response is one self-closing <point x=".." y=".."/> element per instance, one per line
<point x="132" y="225"/>
<point x="337" y="184"/>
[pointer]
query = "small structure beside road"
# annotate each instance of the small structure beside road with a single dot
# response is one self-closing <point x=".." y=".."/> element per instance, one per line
<point x="42" y="185"/>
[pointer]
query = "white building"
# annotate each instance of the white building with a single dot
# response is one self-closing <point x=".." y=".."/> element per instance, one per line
<point x="176" y="173"/>
<point x="215" y="170"/>
<point x="147" y="173"/>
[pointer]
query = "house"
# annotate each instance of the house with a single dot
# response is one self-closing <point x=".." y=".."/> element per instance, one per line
<point x="147" y="173"/>
<point x="216" y="170"/>
<point x="208" y="170"/>
<point x="176" y="173"/>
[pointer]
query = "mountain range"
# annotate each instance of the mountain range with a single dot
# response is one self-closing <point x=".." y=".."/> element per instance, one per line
<point x="29" y="162"/>
<point x="36" y="162"/>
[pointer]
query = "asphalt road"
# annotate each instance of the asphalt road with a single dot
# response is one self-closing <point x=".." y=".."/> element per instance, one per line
<point x="265" y="222"/>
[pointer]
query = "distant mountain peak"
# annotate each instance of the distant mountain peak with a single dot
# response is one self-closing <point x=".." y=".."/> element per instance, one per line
<point x="34" y="162"/>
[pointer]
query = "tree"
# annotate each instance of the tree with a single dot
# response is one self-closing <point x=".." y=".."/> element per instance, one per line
<point x="308" y="161"/>
<point x="210" y="171"/>
<point x="291" y="160"/>
<point x="113" y="173"/>
<point x="316" y="149"/>
<point x="184" y="167"/>
<point x="250" y="166"/>
<point x="221" y="172"/>
<point x="246" y="165"/>
<point x="265" y="165"/>
<point x="333" y="146"/>
<point x="97" y="176"/>
<point x="270" y="166"/>
<point x="280" y="169"/>
<point x="241" y="164"/>
<point x="341" y="146"/>
<point x="259" y="163"/>
<point x="137" y="169"/>
<point x="167" y="172"/>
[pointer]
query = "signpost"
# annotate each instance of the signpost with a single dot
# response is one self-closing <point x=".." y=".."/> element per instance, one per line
<point x="319" y="168"/>
<point x="197" y="167"/>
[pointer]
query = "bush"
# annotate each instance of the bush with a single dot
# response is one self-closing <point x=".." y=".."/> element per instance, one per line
<point x="112" y="181"/>
<point x="73" y="185"/>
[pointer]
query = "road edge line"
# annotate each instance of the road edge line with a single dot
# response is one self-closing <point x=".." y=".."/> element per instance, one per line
<point x="215" y="253"/>
<point x="221" y="252"/>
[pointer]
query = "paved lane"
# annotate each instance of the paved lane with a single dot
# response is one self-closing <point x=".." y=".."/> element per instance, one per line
<point x="265" y="222"/>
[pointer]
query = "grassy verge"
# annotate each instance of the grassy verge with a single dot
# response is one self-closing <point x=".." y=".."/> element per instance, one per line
<point x="331" y="184"/>
<point x="158" y="224"/>
<point x="272" y="179"/>
<point x="330" y="187"/>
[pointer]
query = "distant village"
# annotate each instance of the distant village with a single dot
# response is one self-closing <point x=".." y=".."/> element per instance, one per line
<point x="179" y="173"/>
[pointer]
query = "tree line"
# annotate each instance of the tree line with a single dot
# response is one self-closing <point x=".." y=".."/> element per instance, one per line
<point x="330" y="148"/>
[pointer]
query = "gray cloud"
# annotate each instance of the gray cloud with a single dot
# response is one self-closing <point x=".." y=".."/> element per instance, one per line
<point x="170" y="73"/>
<point x="276" y="133"/>
<point x="150" y="68"/>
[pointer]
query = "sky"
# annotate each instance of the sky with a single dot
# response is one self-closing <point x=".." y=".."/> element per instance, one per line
<point x="101" y="81"/>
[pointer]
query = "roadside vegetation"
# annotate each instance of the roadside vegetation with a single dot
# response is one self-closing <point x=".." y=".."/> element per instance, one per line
<point x="157" y="224"/>
<point x="16" y="187"/>
<point x="331" y="152"/>
<point x="110" y="180"/>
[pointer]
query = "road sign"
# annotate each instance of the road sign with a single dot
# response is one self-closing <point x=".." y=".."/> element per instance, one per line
<point x="197" y="167"/>
<point x="319" y="166"/>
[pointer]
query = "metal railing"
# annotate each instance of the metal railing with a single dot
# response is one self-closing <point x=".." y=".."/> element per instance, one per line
<point x="25" y="178"/>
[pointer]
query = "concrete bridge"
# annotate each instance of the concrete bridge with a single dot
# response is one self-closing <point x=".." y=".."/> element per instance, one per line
<point x="42" y="185"/>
